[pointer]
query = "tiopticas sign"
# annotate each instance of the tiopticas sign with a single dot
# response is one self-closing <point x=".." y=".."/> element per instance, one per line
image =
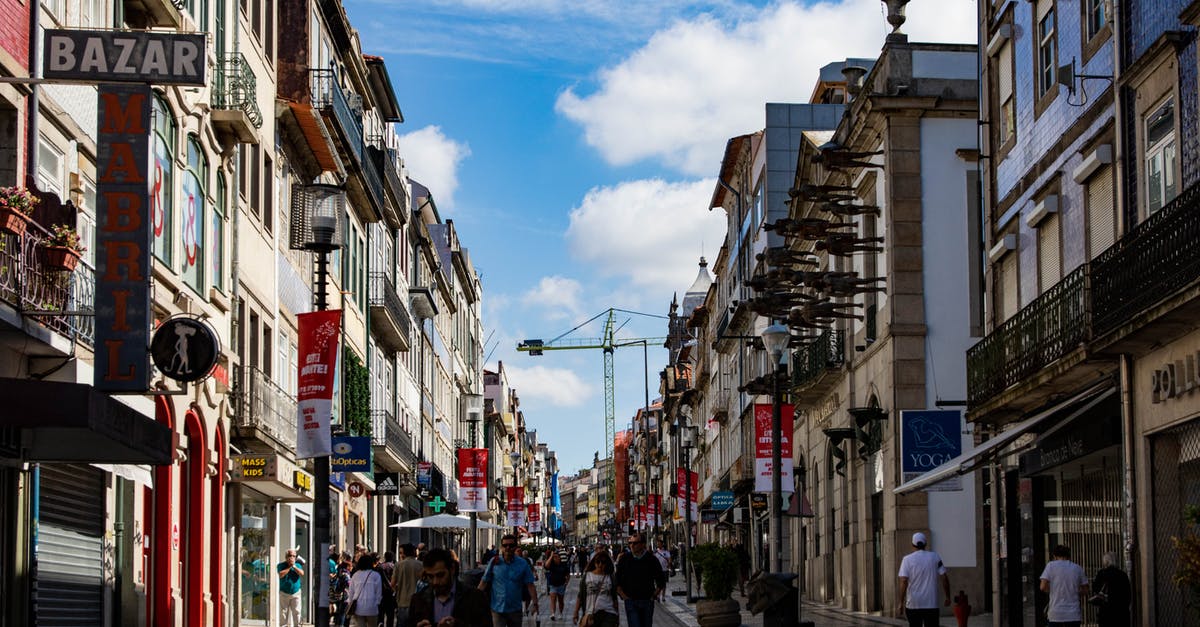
<point x="351" y="454"/>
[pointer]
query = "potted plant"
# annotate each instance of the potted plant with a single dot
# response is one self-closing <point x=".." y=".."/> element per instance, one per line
<point x="717" y="567"/>
<point x="16" y="205"/>
<point x="1187" y="556"/>
<point x="62" y="249"/>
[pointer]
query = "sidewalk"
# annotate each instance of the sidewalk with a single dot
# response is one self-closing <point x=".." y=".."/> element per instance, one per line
<point x="821" y="614"/>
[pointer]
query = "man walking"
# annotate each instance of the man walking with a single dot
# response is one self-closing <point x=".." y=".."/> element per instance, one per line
<point x="919" y="575"/>
<point x="507" y="575"/>
<point x="291" y="571"/>
<point x="640" y="580"/>
<point x="1066" y="584"/>
<point x="405" y="576"/>
<point x="446" y="602"/>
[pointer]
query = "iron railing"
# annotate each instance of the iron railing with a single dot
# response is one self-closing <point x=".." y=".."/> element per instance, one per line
<point x="373" y="175"/>
<point x="386" y="431"/>
<point x="813" y="360"/>
<point x="236" y="88"/>
<point x="1051" y="326"/>
<point x="328" y="94"/>
<point x="383" y="294"/>
<point x="1151" y="262"/>
<point x="391" y="176"/>
<point x="264" y="405"/>
<point x="61" y="301"/>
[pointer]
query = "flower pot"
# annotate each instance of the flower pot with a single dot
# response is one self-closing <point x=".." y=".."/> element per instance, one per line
<point x="725" y="613"/>
<point x="13" y="221"/>
<point x="60" y="258"/>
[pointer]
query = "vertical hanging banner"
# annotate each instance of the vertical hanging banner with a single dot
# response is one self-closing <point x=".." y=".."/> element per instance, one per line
<point x="319" y="334"/>
<point x="515" y="505"/>
<point x="123" y="316"/>
<point x="682" y="475"/>
<point x="535" y="517"/>
<point x="763" y="440"/>
<point x="472" y="479"/>
<point x="653" y="509"/>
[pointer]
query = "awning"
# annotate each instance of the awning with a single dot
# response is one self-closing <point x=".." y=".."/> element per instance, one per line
<point x="970" y="460"/>
<point x="72" y="422"/>
<point x="133" y="472"/>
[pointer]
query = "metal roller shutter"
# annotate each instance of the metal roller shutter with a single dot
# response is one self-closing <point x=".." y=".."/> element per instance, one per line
<point x="70" y="548"/>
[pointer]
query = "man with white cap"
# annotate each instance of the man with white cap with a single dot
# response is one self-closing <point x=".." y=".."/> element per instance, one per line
<point x="919" y="575"/>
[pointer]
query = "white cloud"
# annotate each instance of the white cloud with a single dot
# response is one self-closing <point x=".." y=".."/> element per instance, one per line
<point x="432" y="159"/>
<point x="649" y="232"/>
<point x="558" y="295"/>
<point x="557" y="386"/>
<point x="700" y="81"/>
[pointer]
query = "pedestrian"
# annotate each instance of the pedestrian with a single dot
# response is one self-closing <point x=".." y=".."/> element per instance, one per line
<point x="598" y="592"/>
<point x="291" y="571"/>
<point x="743" y="558"/>
<point x="339" y="589"/>
<point x="640" y="580"/>
<point x="366" y="591"/>
<point x="489" y="554"/>
<point x="558" y="573"/>
<point x="387" y="605"/>
<point x="1067" y="586"/>
<point x="507" y="575"/>
<point x="664" y="560"/>
<point x="446" y="602"/>
<point x="919" y="574"/>
<point x="582" y="557"/>
<point x="1111" y="593"/>
<point x="527" y="596"/>
<point x="405" y="576"/>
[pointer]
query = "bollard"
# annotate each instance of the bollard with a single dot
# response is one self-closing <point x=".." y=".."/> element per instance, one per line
<point x="962" y="608"/>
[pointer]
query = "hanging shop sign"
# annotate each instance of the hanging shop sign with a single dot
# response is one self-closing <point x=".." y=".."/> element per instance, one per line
<point x="722" y="501"/>
<point x="653" y="510"/>
<point x="124" y="56"/>
<point x="351" y="454"/>
<point x="122" y="301"/>
<point x="472" y="479"/>
<point x="763" y="442"/>
<point x="515" y="505"/>
<point x="185" y="349"/>
<point x="928" y="439"/>
<point x="356" y="489"/>
<point x="272" y="475"/>
<point x="534" y="517"/>
<point x="758" y="502"/>
<point x="387" y="484"/>
<point x="319" y="333"/>
<point x="709" y="516"/>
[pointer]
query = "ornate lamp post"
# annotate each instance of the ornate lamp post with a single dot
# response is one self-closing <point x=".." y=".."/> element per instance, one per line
<point x="775" y="338"/>
<point x="474" y="415"/>
<point x="688" y="436"/>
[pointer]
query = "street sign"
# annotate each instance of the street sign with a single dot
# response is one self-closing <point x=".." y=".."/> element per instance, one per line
<point x="185" y="349"/>
<point x="104" y="56"/>
<point x="722" y="501"/>
<point x="758" y="502"/>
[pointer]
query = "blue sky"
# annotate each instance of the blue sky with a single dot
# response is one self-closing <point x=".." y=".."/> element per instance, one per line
<point x="575" y="143"/>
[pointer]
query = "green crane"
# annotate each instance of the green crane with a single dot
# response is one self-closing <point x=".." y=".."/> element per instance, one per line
<point x="608" y="343"/>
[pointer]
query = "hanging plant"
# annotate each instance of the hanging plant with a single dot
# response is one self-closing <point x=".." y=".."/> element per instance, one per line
<point x="358" y="395"/>
<point x="62" y="249"/>
<point x="16" y="206"/>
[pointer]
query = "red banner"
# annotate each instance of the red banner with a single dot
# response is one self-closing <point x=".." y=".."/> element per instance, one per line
<point x="681" y="476"/>
<point x="472" y="479"/>
<point x="516" y="505"/>
<point x="621" y="472"/>
<point x="535" y="517"/>
<point x="319" y="341"/>
<point x="763" y="440"/>
<point x="654" y="509"/>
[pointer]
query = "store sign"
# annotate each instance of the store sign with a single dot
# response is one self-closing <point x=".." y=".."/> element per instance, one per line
<point x="722" y="501"/>
<point x="185" y="349"/>
<point x="387" y="484"/>
<point x="1175" y="379"/>
<point x="102" y="56"/>
<point x="302" y="481"/>
<point x="122" y="300"/>
<point x="534" y="517"/>
<point x="424" y="474"/>
<point x="928" y="439"/>
<point x="356" y="489"/>
<point x="758" y="502"/>
<point x="351" y="454"/>
<point x="472" y="479"/>
<point x="764" y="442"/>
<point x="708" y="516"/>
<point x="253" y="467"/>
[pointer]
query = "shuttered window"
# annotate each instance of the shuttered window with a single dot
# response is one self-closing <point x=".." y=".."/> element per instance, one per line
<point x="1009" y="300"/>
<point x="1004" y="88"/>
<point x="70" y="572"/>
<point x="1049" y="253"/>
<point x="1102" y="215"/>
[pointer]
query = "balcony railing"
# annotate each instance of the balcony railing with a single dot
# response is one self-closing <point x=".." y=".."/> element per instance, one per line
<point x="236" y="88"/>
<point x="263" y="405"/>
<point x="59" y="300"/>
<point x="373" y="173"/>
<point x="328" y="94"/>
<point x="386" y="431"/>
<point x="391" y="175"/>
<point x="1051" y="326"/>
<point x="810" y="362"/>
<point x="1151" y="262"/>
<point x="391" y="320"/>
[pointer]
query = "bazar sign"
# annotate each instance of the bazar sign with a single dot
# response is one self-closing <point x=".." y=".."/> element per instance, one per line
<point x="124" y="56"/>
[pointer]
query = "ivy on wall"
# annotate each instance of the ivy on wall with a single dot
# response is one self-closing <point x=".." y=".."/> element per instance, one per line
<point x="357" y="394"/>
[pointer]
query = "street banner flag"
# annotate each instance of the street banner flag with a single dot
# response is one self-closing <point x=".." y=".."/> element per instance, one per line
<point x="516" y="505"/>
<point x="319" y="333"/>
<point x="424" y="474"/>
<point x="654" y="509"/>
<point x="472" y="479"/>
<point x="682" y="475"/>
<point x="535" y="517"/>
<point x="763" y="440"/>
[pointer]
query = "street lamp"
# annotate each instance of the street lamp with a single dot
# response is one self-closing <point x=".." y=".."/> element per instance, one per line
<point x="474" y="404"/>
<point x="775" y="339"/>
<point x="687" y="436"/>
<point x="317" y="231"/>
<point x="515" y="456"/>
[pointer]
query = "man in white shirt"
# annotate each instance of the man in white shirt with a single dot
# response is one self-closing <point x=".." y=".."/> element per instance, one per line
<point x="1066" y="584"/>
<point x="919" y="575"/>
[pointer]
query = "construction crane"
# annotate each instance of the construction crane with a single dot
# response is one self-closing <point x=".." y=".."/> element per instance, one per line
<point x="608" y="343"/>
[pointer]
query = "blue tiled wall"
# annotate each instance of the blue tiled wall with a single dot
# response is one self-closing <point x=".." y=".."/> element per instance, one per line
<point x="1143" y="21"/>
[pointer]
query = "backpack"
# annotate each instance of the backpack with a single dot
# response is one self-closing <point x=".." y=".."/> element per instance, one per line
<point x="339" y="586"/>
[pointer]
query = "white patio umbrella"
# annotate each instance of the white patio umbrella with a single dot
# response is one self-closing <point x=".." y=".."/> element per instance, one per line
<point x="444" y="522"/>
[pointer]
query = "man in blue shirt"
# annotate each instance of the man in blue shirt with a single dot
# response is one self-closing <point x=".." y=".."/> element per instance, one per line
<point x="291" y="570"/>
<point x="505" y="576"/>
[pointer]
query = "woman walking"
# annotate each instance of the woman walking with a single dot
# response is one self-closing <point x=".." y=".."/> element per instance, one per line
<point x="366" y="591"/>
<point x="598" y="592"/>
<point x="558" y="573"/>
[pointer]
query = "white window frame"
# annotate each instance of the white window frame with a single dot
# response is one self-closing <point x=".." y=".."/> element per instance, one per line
<point x="1162" y="157"/>
<point x="1047" y="53"/>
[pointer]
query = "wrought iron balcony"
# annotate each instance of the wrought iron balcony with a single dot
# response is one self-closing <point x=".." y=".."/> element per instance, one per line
<point x="1053" y="325"/>
<point x="394" y="184"/>
<point x="62" y="301"/>
<point x="262" y="406"/>
<point x="387" y="433"/>
<point x="328" y="96"/>
<point x="812" y="363"/>
<point x="389" y="319"/>
<point x="235" y="99"/>
<point x="372" y="171"/>
<point x="1154" y="261"/>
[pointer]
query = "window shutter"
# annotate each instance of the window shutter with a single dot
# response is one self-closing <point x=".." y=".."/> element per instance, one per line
<point x="1102" y="216"/>
<point x="1004" y="72"/>
<point x="1043" y="7"/>
<point x="1049" y="255"/>
<point x="1010" y="300"/>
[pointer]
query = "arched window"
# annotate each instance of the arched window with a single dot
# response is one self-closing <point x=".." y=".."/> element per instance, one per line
<point x="218" y="234"/>
<point x="162" y="183"/>
<point x="193" y="216"/>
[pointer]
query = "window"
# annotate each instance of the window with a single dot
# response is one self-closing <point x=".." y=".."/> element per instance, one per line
<point x="1049" y="251"/>
<point x="255" y="191"/>
<point x="269" y="29"/>
<point x="86" y="220"/>
<point x="217" y="250"/>
<point x="193" y="216"/>
<point x="1161" y="183"/>
<point x="1006" y="284"/>
<point x="1101" y="212"/>
<point x="1006" y="125"/>
<point x="50" y="167"/>
<point x="1095" y="16"/>
<point x="268" y="193"/>
<point x="1047" y="53"/>
<point x="163" y="182"/>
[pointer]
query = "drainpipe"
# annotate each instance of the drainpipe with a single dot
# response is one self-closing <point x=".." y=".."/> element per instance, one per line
<point x="33" y="109"/>
<point x="1127" y="483"/>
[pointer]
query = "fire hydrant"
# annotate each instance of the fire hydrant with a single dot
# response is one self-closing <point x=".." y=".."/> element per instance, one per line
<point x="962" y="608"/>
